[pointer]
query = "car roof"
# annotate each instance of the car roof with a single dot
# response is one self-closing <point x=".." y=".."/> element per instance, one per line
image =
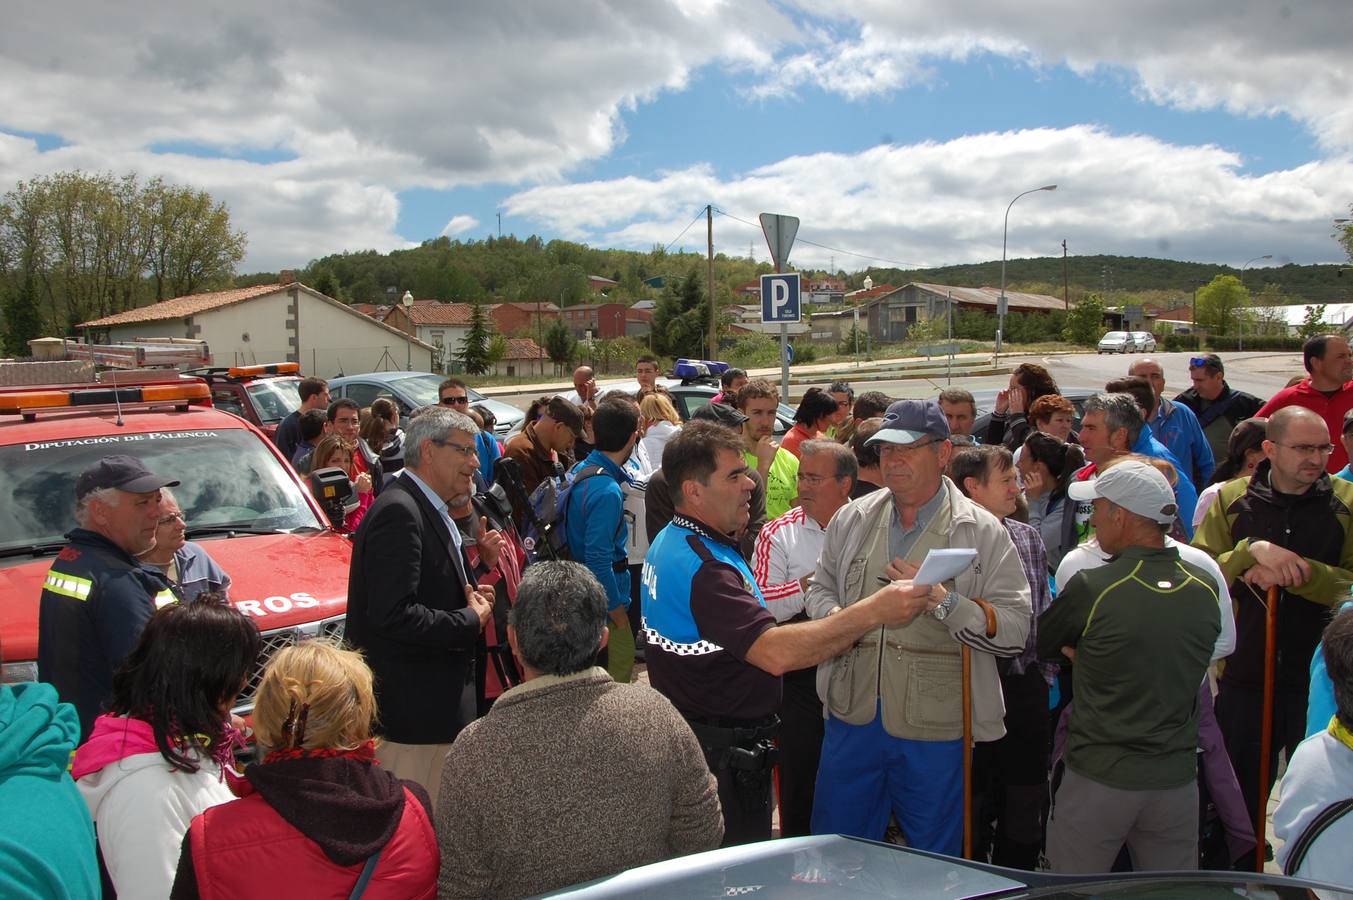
<point x="382" y="377"/>
<point x="75" y="423"/>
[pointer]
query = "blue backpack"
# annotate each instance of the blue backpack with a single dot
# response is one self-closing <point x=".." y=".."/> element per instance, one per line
<point x="546" y="532"/>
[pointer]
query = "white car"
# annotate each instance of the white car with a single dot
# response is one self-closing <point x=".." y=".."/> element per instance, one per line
<point x="1145" y="341"/>
<point x="1117" y="342"/>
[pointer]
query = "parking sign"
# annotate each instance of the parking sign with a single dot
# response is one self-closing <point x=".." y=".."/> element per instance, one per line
<point x="780" y="298"/>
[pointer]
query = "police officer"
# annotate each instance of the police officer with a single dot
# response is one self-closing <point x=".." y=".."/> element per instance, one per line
<point x="714" y="648"/>
<point x="97" y="597"/>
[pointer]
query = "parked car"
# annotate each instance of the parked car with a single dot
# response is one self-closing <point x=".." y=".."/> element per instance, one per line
<point x="240" y="499"/>
<point x="838" y="866"/>
<point x="1143" y="342"/>
<point x="1117" y="342"/>
<point x="263" y="395"/>
<point x="410" y="390"/>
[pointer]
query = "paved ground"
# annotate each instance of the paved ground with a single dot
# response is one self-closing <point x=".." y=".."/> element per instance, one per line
<point x="1262" y="374"/>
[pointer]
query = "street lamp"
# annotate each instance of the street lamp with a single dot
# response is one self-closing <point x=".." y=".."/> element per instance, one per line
<point x="407" y="302"/>
<point x="1240" y="320"/>
<point x="1005" y="231"/>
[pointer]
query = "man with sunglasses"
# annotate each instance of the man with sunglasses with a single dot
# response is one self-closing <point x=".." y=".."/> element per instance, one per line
<point x="454" y="394"/>
<point x="1327" y="390"/>
<point x="1217" y="405"/>
<point x="1286" y="525"/>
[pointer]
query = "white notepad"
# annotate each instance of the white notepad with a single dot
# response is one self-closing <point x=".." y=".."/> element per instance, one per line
<point x="943" y="564"/>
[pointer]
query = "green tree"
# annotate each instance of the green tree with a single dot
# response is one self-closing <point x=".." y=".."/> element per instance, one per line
<point x="476" y="347"/>
<point x="1313" y="323"/>
<point x="1085" y="322"/>
<point x="681" y="318"/>
<point x="23" y="316"/>
<point x="327" y="284"/>
<point x="1220" y="303"/>
<point x="1344" y="235"/>
<point x="560" y="346"/>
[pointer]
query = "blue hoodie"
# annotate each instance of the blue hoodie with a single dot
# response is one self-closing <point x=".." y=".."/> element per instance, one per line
<point x="1185" y="494"/>
<point x="46" y="836"/>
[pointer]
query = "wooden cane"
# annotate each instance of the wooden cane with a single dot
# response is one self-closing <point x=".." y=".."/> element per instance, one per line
<point x="967" y="751"/>
<point x="1266" y="734"/>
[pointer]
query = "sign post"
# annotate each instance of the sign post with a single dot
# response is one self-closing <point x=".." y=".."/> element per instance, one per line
<point x="780" y="232"/>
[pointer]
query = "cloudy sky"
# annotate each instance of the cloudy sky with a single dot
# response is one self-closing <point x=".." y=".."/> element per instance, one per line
<point x="896" y="130"/>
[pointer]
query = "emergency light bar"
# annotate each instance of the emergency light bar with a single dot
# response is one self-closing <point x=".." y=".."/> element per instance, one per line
<point x="698" y="368"/>
<point x="286" y="368"/>
<point x="28" y="401"/>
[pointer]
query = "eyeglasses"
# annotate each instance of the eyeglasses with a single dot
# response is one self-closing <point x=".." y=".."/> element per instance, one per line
<point x="1309" y="449"/>
<point x="815" y="480"/>
<point x="456" y="401"/>
<point x="1202" y="362"/>
<point x="462" y="449"/>
<point x="890" y="449"/>
<point x="171" y="517"/>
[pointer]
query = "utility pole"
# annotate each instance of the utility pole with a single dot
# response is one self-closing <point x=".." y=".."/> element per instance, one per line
<point x="1066" y="290"/>
<point x="713" y="305"/>
<point x="500" y="226"/>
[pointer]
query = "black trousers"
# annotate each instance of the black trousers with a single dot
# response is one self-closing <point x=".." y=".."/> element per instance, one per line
<point x="801" y="728"/>
<point x="1240" y="713"/>
<point x="1010" y="777"/>
<point x="746" y="820"/>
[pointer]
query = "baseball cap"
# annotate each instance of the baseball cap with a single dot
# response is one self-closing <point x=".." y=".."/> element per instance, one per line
<point x="1207" y="360"/>
<point x="719" y="414"/>
<point x="1136" y="486"/>
<point x="126" y="473"/>
<point x="908" y="421"/>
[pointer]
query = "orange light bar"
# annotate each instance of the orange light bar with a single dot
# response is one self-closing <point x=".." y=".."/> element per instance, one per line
<point x="286" y="368"/>
<point x="20" y="401"/>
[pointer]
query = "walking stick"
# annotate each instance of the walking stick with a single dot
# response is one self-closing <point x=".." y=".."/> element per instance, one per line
<point x="1266" y="734"/>
<point x="967" y="751"/>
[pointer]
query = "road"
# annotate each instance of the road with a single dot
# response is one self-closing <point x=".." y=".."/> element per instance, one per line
<point x="1261" y="374"/>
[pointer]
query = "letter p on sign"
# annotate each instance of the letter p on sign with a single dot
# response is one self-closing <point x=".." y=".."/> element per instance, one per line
<point x="780" y="298"/>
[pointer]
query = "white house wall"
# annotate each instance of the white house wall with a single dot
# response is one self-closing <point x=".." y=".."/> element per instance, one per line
<point x="334" y="340"/>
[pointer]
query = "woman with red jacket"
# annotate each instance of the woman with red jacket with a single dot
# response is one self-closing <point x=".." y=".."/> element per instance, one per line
<point x="316" y="816"/>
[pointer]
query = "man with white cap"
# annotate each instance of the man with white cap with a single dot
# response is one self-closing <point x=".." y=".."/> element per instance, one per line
<point x="893" y="737"/>
<point x="1141" y="630"/>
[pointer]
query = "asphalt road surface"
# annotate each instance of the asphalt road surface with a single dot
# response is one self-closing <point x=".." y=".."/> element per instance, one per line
<point x="1261" y="374"/>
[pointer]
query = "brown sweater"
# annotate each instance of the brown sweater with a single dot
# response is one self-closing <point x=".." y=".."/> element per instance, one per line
<point x="570" y="779"/>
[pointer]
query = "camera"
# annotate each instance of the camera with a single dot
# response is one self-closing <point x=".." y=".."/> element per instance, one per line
<point x="333" y="489"/>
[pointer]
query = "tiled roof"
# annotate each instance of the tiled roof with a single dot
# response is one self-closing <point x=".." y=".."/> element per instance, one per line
<point x="523" y="348"/>
<point x="526" y="306"/>
<point x="435" y="313"/>
<point x="182" y="307"/>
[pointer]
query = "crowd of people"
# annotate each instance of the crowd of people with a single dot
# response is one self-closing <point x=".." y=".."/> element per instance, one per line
<point x="1092" y="661"/>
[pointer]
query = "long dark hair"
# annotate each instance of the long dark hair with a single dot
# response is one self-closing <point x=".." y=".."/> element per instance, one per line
<point x="1246" y="436"/>
<point x="192" y="658"/>
<point x="1062" y="459"/>
<point x="1036" y="381"/>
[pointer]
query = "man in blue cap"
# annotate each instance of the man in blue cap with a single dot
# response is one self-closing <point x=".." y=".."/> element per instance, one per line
<point x="97" y="597"/>
<point x="893" y="740"/>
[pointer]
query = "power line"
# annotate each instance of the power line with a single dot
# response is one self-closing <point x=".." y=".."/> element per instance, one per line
<point x="684" y="230"/>
<point x="803" y="240"/>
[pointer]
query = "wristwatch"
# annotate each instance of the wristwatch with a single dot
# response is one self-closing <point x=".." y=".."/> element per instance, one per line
<point x="946" y="607"/>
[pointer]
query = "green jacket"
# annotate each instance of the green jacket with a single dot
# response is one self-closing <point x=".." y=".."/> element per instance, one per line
<point x="782" y="483"/>
<point x="1144" y="625"/>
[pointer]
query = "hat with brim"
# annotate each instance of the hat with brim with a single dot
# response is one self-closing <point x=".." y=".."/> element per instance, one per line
<point x="909" y="421"/>
<point x="126" y="473"/>
<point x="1136" y="486"/>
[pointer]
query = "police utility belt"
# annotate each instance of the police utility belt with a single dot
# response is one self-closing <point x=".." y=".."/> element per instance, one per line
<point x="740" y="744"/>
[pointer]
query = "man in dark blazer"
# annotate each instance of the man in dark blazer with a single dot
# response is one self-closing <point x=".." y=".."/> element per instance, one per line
<point x="413" y="610"/>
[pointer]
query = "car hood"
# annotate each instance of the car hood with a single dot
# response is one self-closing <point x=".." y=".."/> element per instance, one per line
<point x="278" y="580"/>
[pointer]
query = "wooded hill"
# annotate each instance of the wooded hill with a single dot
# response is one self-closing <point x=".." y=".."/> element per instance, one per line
<point x="511" y="268"/>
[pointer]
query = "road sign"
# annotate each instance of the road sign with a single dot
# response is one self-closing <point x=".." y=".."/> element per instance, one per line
<point x="780" y="233"/>
<point x="780" y="298"/>
<point x="789" y="352"/>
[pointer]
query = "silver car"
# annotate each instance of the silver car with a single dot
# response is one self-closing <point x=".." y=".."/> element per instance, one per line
<point x="1144" y="341"/>
<point x="1117" y="342"/>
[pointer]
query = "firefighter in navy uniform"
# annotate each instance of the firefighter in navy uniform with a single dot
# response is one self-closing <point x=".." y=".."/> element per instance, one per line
<point x="97" y="597"/>
<point x="713" y="648"/>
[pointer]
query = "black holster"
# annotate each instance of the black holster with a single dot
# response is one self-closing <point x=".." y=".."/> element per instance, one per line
<point x="746" y="750"/>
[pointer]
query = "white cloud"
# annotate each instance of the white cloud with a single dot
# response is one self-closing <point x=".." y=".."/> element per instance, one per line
<point x="938" y="203"/>
<point x="458" y="225"/>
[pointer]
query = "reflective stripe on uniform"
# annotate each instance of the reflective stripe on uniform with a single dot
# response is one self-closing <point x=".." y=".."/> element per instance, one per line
<point x="68" y="585"/>
<point x="164" y="598"/>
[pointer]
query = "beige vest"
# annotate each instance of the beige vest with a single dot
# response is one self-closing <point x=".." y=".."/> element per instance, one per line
<point x="913" y="670"/>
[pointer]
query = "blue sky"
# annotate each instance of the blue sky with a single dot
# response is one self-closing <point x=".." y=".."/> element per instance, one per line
<point x="893" y="128"/>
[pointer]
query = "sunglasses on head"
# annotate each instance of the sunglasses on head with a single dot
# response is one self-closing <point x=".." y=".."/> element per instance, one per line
<point x="1202" y="362"/>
